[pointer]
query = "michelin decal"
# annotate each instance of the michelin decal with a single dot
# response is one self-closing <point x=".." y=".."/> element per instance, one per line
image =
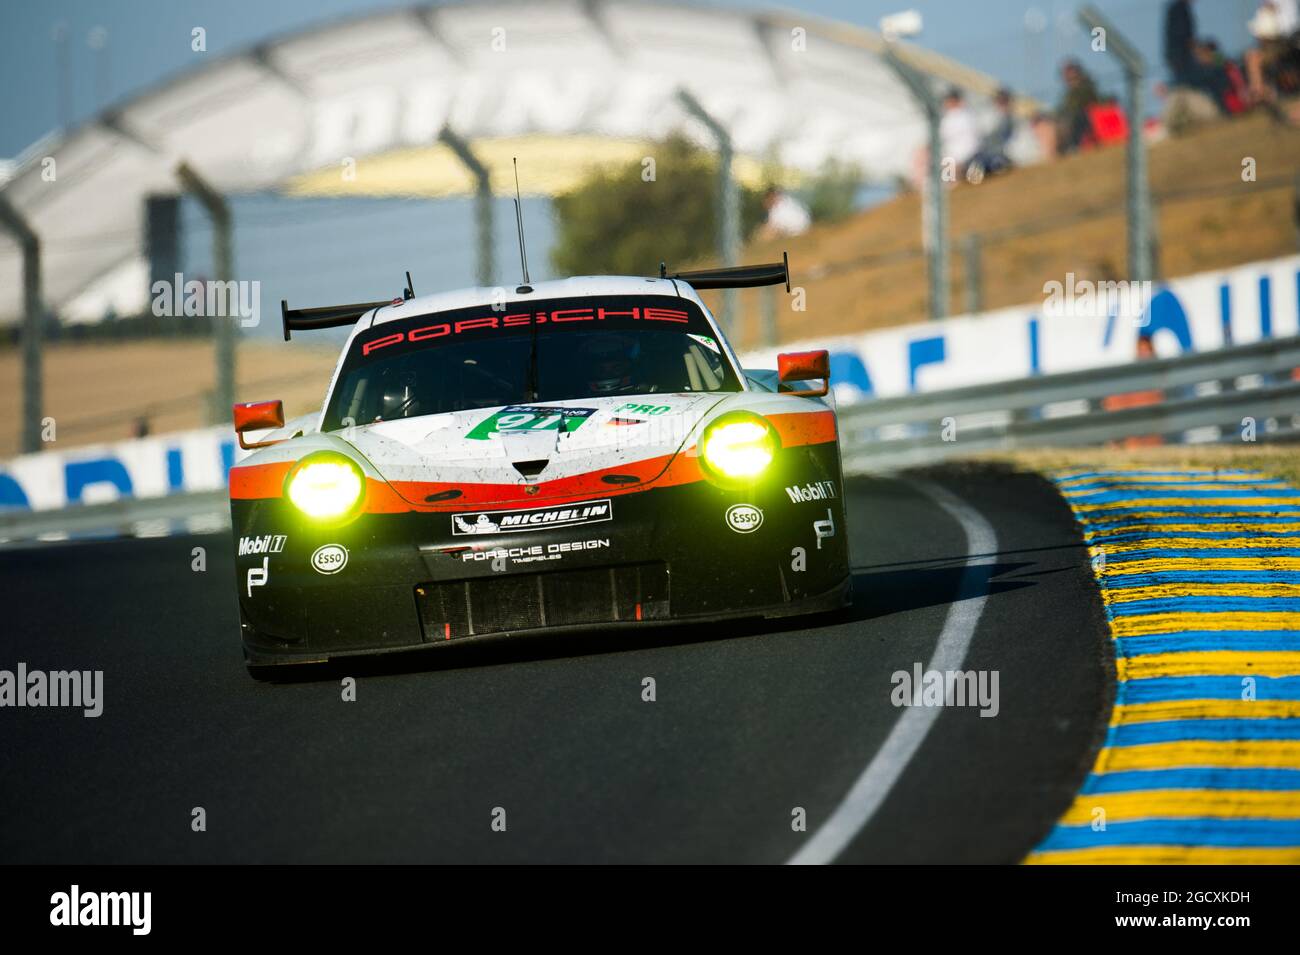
<point x="532" y="519"/>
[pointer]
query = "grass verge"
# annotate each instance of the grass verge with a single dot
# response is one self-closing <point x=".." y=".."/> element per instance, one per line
<point x="1277" y="460"/>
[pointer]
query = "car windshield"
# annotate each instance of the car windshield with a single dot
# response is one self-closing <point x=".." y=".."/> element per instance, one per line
<point x="550" y="350"/>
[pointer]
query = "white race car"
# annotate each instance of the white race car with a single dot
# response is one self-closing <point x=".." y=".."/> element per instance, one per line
<point x="580" y="453"/>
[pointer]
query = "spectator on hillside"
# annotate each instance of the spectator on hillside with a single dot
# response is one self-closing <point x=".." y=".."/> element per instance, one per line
<point x="1234" y="94"/>
<point x="959" y="133"/>
<point x="1277" y="18"/>
<point x="786" y="215"/>
<point x="1274" y="63"/>
<point x="992" y="157"/>
<point x="1198" y="87"/>
<point x="1211" y="65"/>
<point x="1043" y="128"/>
<point x="1194" y="94"/>
<point x="1180" y="40"/>
<point x="1072" y="123"/>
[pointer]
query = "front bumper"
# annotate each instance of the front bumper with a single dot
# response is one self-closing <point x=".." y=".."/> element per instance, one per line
<point x="657" y="556"/>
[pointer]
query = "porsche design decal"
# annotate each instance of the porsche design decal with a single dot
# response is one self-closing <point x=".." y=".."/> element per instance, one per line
<point x="531" y="519"/>
<point x="534" y="553"/>
<point x="258" y="576"/>
<point x="824" y="529"/>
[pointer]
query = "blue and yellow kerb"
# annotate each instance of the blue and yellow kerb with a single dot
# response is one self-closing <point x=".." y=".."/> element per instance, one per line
<point x="1200" y="574"/>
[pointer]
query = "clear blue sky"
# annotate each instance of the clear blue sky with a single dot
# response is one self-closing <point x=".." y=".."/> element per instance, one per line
<point x="148" y="40"/>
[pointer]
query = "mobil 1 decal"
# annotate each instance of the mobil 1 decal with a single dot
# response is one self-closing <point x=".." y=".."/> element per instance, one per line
<point x="518" y="418"/>
<point x="812" y="491"/>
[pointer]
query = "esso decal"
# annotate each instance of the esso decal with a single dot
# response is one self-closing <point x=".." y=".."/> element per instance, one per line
<point x="744" y="518"/>
<point x="330" y="559"/>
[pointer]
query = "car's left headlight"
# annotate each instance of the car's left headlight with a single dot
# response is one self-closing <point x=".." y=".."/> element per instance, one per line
<point x="326" y="486"/>
<point x="739" y="446"/>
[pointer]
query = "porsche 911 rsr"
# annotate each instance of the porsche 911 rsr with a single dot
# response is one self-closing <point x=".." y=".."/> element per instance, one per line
<point x="585" y="453"/>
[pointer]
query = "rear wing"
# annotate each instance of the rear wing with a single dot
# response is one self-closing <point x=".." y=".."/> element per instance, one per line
<point x="325" y="316"/>
<point x="740" y="276"/>
<point x="334" y="316"/>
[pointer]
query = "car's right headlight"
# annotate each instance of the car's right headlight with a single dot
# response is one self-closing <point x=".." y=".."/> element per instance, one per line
<point x="326" y="486"/>
<point x="738" y="446"/>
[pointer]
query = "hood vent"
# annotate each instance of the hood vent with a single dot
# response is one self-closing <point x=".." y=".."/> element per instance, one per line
<point x="443" y="496"/>
<point x="530" y="469"/>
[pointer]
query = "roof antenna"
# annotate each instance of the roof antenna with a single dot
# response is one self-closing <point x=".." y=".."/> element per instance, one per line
<point x="519" y="223"/>
<point x="408" y="293"/>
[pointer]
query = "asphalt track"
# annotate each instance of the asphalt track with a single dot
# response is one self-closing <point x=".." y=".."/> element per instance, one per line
<point x="751" y="720"/>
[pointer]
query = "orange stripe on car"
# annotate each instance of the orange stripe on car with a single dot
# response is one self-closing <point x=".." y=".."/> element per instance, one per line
<point x="681" y="470"/>
<point x="257" y="481"/>
<point x="804" y="427"/>
<point x="798" y="429"/>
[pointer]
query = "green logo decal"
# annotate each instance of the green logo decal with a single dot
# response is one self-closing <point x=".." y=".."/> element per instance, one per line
<point x="529" y="418"/>
<point x="644" y="409"/>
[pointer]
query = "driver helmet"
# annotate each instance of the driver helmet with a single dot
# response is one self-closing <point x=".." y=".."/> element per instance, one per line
<point x="609" y="362"/>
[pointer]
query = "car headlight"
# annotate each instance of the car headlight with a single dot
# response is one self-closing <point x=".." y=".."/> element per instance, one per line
<point x="326" y="486"/>
<point x="738" y="446"/>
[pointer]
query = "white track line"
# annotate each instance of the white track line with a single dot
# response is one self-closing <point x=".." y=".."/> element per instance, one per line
<point x="871" y="788"/>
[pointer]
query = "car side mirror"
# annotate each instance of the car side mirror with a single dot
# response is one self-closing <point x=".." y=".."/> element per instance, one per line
<point x="804" y="366"/>
<point x="258" y="416"/>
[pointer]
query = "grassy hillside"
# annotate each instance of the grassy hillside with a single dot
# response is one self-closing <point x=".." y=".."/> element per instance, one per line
<point x="95" y="392"/>
<point x="1040" y="222"/>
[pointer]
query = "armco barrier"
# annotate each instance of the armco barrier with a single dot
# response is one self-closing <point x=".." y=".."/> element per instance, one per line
<point x="1220" y="395"/>
<point x="195" y="512"/>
